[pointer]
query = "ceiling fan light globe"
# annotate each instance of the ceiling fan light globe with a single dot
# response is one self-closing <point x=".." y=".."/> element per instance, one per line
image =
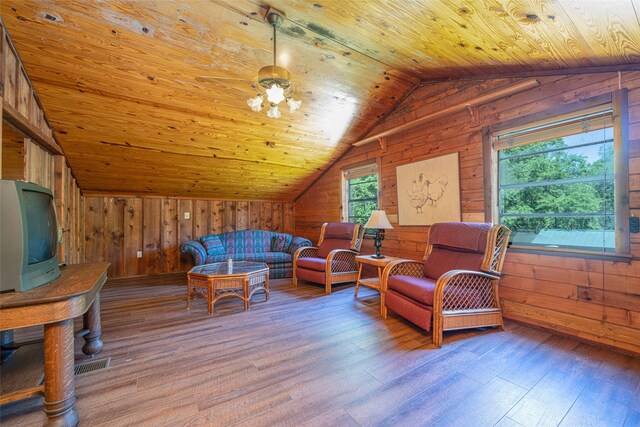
<point x="255" y="103"/>
<point x="275" y="94"/>
<point x="293" y="104"/>
<point x="273" y="112"/>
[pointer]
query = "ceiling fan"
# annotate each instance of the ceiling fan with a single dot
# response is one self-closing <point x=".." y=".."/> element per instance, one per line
<point x="275" y="80"/>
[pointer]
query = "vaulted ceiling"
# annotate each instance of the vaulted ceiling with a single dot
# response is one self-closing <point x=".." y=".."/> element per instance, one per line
<point x="149" y="96"/>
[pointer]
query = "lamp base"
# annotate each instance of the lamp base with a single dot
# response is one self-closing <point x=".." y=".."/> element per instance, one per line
<point x="377" y="256"/>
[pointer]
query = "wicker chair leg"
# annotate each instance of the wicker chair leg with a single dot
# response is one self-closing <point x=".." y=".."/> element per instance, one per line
<point x="437" y="336"/>
<point x="327" y="288"/>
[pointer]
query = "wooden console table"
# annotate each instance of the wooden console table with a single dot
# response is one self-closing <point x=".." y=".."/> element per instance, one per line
<point x="76" y="292"/>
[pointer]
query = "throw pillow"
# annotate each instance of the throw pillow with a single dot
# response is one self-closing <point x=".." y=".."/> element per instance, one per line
<point x="213" y="245"/>
<point x="281" y="242"/>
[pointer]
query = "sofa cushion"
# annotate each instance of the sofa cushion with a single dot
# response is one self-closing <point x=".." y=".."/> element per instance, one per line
<point x="248" y="241"/>
<point x="213" y="245"/>
<point x="281" y="242"/>
<point x="419" y="289"/>
<point x="268" y="257"/>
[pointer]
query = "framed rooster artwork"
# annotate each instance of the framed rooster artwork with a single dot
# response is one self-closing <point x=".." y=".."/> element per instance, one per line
<point x="429" y="191"/>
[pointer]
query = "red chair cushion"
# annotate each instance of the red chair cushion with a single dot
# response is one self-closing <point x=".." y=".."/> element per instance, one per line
<point x="419" y="289"/>
<point x="310" y="275"/>
<point x="315" y="264"/>
<point x="441" y="260"/>
<point x="417" y="314"/>
<point x="339" y="230"/>
<point x="330" y="244"/>
<point x="463" y="236"/>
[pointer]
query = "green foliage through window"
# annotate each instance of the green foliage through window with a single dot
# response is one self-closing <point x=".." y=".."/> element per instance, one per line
<point x="560" y="192"/>
<point x="362" y="197"/>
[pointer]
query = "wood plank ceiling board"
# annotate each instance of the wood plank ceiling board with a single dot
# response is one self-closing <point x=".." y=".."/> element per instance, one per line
<point x="149" y="96"/>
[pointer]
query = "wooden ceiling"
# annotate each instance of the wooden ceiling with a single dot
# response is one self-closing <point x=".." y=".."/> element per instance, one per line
<point x="121" y="81"/>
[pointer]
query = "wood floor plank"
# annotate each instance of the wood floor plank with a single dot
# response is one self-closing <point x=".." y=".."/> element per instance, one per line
<point x="547" y="403"/>
<point x="601" y="404"/>
<point x="306" y="358"/>
<point x="487" y="406"/>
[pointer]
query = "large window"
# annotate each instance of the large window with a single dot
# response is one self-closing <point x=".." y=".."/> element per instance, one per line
<point x="360" y="192"/>
<point x="561" y="181"/>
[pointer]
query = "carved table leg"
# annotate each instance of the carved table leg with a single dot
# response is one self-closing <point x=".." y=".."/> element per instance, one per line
<point x="91" y="321"/>
<point x="59" y="382"/>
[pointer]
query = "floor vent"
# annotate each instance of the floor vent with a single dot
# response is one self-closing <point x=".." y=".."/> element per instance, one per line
<point x="84" y="368"/>
<point x="92" y="366"/>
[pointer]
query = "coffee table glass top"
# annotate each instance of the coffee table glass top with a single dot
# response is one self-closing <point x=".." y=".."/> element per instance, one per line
<point x="222" y="268"/>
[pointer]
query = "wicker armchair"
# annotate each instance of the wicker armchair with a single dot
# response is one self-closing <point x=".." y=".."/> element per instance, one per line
<point x="333" y="261"/>
<point x="456" y="284"/>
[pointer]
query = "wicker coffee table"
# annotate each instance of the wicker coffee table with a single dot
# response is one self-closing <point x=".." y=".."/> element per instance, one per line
<point x="216" y="281"/>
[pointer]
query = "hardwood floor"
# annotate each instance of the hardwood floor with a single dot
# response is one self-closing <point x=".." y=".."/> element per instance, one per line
<point x="309" y="359"/>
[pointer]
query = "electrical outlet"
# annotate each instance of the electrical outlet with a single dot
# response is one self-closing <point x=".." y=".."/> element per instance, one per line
<point x="139" y="254"/>
<point x="187" y="215"/>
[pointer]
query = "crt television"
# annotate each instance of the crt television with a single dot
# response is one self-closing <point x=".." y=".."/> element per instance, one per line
<point x="28" y="236"/>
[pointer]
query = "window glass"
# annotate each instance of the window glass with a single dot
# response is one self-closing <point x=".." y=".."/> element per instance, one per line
<point x="558" y="192"/>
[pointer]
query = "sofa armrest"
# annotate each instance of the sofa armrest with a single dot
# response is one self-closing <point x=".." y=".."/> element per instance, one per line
<point x="196" y="249"/>
<point x="297" y="243"/>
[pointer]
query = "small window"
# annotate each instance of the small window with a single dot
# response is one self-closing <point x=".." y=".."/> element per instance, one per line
<point x="360" y="193"/>
<point x="559" y="182"/>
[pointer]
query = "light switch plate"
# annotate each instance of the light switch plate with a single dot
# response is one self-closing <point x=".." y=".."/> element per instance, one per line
<point x="187" y="215"/>
<point x="139" y="254"/>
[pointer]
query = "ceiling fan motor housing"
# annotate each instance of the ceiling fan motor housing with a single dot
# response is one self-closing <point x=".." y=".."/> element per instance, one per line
<point x="274" y="74"/>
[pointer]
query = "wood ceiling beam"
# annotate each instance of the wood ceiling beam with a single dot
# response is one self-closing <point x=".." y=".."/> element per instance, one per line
<point x="483" y="99"/>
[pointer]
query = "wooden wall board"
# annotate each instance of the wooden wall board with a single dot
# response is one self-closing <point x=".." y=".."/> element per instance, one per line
<point x="569" y="294"/>
<point x="117" y="228"/>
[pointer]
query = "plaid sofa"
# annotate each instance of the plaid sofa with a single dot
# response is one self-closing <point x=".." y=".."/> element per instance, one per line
<point x="274" y="249"/>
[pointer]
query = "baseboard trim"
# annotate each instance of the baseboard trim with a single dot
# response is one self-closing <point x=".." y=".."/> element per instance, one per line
<point x="172" y="279"/>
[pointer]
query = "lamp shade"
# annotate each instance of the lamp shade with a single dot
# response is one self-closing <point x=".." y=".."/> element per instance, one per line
<point x="379" y="220"/>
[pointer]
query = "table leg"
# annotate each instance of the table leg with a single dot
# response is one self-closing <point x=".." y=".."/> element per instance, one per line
<point x="59" y="382"/>
<point x="383" y="308"/>
<point x="188" y="292"/>
<point x="91" y="321"/>
<point x="355" y="294"/>
<point x="245" y="291"/>
<point x="266" y="286"/>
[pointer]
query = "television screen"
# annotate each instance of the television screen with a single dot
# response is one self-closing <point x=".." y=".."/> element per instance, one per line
<point x="42" y="228"/>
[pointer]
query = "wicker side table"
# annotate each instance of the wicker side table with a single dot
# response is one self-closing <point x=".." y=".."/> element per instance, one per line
<point x="373" y="282"/>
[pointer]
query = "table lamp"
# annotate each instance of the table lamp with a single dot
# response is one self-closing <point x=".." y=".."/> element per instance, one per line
<point x="378" y="221"/>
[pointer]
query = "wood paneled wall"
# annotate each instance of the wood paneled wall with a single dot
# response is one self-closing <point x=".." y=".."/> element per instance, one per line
<point x="116" y="228"/>
<point x="594" y="299"/>
<point x="29" y="150"/>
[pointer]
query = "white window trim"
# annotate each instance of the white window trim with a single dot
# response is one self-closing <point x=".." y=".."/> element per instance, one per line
<point x="617" y="101"/>
<point x="354" y="171"/>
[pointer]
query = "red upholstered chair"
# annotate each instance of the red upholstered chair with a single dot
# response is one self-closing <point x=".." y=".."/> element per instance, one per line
<point x="333" y="261"/>
<point x="456" y="285"/>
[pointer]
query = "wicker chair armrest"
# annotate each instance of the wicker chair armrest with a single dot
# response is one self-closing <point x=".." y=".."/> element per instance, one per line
<point x="305" y="252"/>
<point x="465" y="290"/>
<point x="404" y="267"/>
<point x="347" y="260"/>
